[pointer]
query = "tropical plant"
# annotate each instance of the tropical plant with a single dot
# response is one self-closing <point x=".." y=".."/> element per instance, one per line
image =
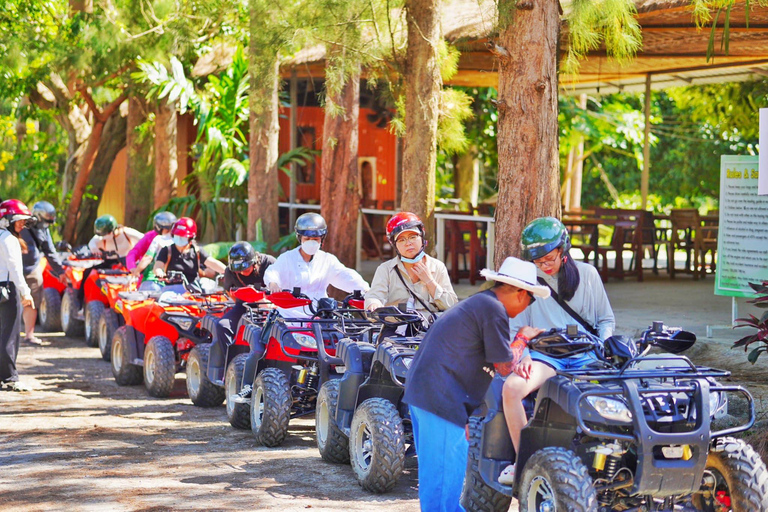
<point x="761" y="324"/>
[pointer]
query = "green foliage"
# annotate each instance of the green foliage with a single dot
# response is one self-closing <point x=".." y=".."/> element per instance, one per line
<point x="760" y="336"/>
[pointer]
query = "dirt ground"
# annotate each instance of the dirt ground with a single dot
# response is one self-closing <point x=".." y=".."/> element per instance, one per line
<point x="77" y="441"/>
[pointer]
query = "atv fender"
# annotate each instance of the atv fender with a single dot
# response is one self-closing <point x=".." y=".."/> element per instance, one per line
<point x="136" y="344"/>
<point x="252" y="335"/>
<point x="209" y="323"/>
<point x="357" y="361"/>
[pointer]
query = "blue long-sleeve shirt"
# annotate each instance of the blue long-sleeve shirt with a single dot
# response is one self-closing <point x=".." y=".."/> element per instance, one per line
<point x="39" y="244"/>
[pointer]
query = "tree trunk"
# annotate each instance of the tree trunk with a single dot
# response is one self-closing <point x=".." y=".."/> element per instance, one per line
<point x="166" y="163"/>
<point x="339" y="190"/>
<point x="139" y="174"/>
<point x="263" y="149"/>
<point x="466" y="178"/>
<point x="423" y="84"/>
<point x="112" y="141"/>
<point x="527" y="127"/>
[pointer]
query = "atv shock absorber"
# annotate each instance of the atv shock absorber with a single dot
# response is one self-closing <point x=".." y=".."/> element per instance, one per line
<point x="312" y="377"/>
<point x="608" y="459"/>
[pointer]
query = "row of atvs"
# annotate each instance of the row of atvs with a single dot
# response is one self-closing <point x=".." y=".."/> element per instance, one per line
<point x="644" y="429"/>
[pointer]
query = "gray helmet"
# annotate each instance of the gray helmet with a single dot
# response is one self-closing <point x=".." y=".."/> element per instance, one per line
<point x="312" y="225"/>
<point x="44" y="211"/>
<point x="164" y="220"/>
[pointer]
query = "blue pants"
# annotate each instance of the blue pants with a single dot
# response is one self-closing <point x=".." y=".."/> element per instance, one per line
<point x="442" y="450"/>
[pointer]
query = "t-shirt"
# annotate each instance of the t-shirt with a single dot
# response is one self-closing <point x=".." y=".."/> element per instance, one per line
<point x="187" y="262"/>
<point x="448" y="375"/>
<point x="256" y="278"/>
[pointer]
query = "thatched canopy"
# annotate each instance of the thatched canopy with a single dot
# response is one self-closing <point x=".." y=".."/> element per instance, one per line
<point x="673" y="50"/>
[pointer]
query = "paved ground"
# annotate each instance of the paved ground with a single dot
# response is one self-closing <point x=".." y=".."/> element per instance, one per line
<point x="77" y="441"/>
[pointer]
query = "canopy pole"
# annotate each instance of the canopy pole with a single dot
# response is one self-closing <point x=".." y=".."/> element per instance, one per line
<point x="646" y="145"/>
<point x="292" y="142"/>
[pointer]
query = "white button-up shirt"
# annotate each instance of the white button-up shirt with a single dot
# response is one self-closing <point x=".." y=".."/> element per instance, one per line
<point x="10" y="262"/>
<point x="290" y="271"/>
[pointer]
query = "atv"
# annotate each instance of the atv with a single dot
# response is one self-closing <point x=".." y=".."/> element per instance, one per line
<point x="108" y="320"/>
<point x="295" y="357"/>
<point x="50" y="305"/>
<point x="160" y="331"/>
<point x="72" y="321"/>
<point x="637" y="431"/>
<point x="361" y="418"/>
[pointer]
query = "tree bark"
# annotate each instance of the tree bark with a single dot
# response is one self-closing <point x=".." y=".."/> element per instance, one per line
<point x="112" y="141"/>
<point x="527" y="128"/>
<point x="139" y="174"/>
<point x="263" y="151"/>
<point x="166" y="163"/>
<point x="423" y="84"/>
<point x="339" y="189"/>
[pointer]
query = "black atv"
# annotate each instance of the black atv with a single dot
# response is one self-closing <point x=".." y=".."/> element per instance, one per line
<point x="295" y="356"/>
<point x="361" y="418"/>
<point x="634" y="432"/>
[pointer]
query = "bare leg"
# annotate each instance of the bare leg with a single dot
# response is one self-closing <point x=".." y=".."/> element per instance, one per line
<point x="30" y="317"/>
<point x="515" y="389"/>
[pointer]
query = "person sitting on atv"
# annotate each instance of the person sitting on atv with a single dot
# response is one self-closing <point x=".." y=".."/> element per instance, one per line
<point x="309" y="268"/>
<point x="412" y="275"/>
<point x="110" y="241"/>
<point x="144" y="252"/>
<point x="39" y="243"/>
<point x="448" y="376"/>
<point x="579" y="298"/>
<point x="184" y="256"/>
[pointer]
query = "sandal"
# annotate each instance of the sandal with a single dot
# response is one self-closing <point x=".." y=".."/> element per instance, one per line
<point x="507" y="477"/>
<point x="34" y="340"/>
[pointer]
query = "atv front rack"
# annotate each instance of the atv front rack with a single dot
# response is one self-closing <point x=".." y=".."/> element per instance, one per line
<point x="629" y="371"/>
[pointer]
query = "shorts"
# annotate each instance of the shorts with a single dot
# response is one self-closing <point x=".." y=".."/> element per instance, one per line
<point x="576" y="362"/>
<point x="35" y="282"/>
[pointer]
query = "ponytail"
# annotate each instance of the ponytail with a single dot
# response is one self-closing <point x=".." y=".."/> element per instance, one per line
<point x="568" y="280"/>
<point x="23" y="244"/>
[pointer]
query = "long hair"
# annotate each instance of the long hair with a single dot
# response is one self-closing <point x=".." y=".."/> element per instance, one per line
<point x="568" y="280"/>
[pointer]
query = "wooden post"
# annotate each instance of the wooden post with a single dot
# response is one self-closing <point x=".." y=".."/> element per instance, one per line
<point x="646" y="145"/>
<point x="578" y="168"/>
<point x="292" y="141"/>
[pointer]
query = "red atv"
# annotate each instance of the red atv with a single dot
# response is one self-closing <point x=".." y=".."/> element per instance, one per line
<point x="295" y="357"/>
<point x="50" y="306"/>
<point x="109" y="320"/>
<point x="71" y="320"/>
<point x="158" y="335"/>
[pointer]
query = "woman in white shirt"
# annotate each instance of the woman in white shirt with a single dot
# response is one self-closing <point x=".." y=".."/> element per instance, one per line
<point x="14" y="215"/>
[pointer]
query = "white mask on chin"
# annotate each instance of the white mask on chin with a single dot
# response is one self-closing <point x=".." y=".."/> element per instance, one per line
<point x="180" y="241"/>
<point x="310" y="247"/>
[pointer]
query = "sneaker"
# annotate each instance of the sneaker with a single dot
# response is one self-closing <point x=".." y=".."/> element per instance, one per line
<point x="80" y="315"/>
<point x="507" y="477"/>
<point x="243" y="397"/>
<point x="34" y="340"/>
<point x="13" y="386"/>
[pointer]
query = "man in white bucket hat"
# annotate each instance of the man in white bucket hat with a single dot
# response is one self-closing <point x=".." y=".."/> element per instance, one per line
<point x="448" y="377"/>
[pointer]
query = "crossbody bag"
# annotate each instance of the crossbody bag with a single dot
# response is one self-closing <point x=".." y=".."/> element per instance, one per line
<point x="568" y="309"/>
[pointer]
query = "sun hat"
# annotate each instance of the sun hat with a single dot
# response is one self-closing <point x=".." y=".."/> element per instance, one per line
<point x="518" y="273"/>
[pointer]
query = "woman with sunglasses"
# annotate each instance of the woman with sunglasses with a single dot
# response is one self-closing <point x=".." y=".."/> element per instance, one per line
<point x="579" y="299"/>
<point x="411" y="276"/>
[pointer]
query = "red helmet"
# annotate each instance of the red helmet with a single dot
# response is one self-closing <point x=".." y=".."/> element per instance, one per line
<point x="185" y="227"/>
<point x="404" y="221"/>
<point x="12" y="210"/>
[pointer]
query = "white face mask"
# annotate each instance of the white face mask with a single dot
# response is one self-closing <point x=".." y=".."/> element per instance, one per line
<point x="310" y="247"/>
<point x="180" y="241"/>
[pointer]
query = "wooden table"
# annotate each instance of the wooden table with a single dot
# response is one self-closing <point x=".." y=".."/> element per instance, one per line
<point x="589" y="225"/>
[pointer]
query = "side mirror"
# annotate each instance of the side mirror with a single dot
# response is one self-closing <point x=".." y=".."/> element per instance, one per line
<point x="674" y="342"/>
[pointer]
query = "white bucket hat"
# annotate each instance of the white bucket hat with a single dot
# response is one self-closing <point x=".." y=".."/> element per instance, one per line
<point x="519" y="273"/>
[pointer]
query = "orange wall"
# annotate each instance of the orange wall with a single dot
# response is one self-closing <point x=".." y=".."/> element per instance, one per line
<point x="374" y="142"/>
<point x="113" y="197"/>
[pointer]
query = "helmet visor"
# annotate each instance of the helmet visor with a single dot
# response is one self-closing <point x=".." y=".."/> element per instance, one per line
<point x="240" y="265"/>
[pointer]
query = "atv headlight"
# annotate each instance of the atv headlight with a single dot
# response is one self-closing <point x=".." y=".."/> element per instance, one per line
<point x="305" y="340"/>
<point x="610" y="408"/>
<point x="183" y="322"/>
<point x="718" y="404"/>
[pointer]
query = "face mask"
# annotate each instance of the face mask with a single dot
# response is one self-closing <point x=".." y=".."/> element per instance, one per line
<point x="180" y="241"/>
<point x="413" y="260"/>
<point x="310" y="247"/>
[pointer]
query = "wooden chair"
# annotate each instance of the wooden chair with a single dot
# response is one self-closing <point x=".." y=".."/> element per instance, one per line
<point x="685" y="225"/>
<point x="708" y="242"/>
<point x="653" y="238"/>
<point x="627" y="236"/>
<point x="464" y="242"/>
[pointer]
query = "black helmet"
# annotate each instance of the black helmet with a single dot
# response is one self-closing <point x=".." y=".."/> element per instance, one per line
<point x="44" y="211"/>
<point x="312" y="225"/>
<point x="163" y="221"/>
<point x="542" y="236"/>
<point x="242" y="256"/>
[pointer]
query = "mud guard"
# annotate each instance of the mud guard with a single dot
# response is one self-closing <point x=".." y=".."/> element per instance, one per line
<point x="253" y="336"/>
<point x="356" y="357"/>
<point x="135" y="345"/>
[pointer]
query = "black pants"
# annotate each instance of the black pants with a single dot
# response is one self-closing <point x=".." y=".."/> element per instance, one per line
<point x="224" y="336"/>
<point x="10" y="336"/>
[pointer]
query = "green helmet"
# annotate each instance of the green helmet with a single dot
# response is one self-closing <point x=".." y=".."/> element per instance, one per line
<point x="542" y="236"/>
<point x="104" y="225"/>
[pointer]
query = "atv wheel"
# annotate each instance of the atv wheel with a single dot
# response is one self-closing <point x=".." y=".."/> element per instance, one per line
<point x="270" y="407"/>
<point x="202" y="391"/>
<point x="71" y="326"/>
<point x="125" y="373"/>
<point x="159" y="366"/>
<point x="556" y="479"/>
<point x="93" y="312"/>
<point x="108" y="324"/>
<point x="239" y="415"/>
<point x="377" y="445"/>
<point x="331" y="441"/>
<point x="741" y="479"/>
<point x="50" y="310"/>
<point x="477" y="496"/>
